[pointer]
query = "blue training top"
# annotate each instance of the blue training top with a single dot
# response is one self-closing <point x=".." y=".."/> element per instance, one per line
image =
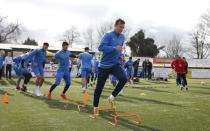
<point x="63" y="60"/>
<point x="38" y="57"/>
<point x="1" y="61"/>
<point x="86" y="60"/>
<point x="129" y="65"/>
<point x="107" y="46"/>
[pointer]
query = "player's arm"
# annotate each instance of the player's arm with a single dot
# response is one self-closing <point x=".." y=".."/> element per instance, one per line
<point x="104" y="47"/>
<point x="172" y="65"/>
<point x="33" y="53"/>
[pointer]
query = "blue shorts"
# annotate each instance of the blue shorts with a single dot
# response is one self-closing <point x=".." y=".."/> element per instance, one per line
<point x="63" y="74"/>
<point x="86" y="72"/>
<point x="129" y="73"/>
<point x="38" y="70"/>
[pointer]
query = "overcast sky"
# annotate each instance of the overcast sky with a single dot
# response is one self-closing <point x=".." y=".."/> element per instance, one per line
<point x="47" y="19"/>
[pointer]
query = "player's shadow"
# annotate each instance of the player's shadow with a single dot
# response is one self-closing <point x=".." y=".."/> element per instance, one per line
<point x="131" y="99"/>
<point x="11" y="82"/>
<point x="199" y="86"/>
<point x="200" y="92"/>
<point x="2" y="92"/>
<point x="125" y="122"/>
<point x="57" y="104"/>
<point x="3" y="82"/>
<point x="151" y="89"/>
<point x="153" y="101"/>
<point x="70" y="105"/>
<point x="160" y="82"/>
<point x="32" y="82"/>
<point x="47" y="82"/>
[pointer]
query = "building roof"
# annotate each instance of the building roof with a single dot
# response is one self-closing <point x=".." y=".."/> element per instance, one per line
<point x="6" y="46"/>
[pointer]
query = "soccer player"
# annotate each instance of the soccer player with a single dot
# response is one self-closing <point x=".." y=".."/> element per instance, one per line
<point x="1" y="62"/>
<point x="179" y="65"/>
<point x="96" y="63"/>
<point x="26" y="70"/>
<point x="149" y="69"/>
<point x="136" y="67"/>
<point x="22" y="70"/>
<point x="186" y="71"/>
<point x="86" y="63"/>
<point x="129" y="70"/>
<point x="111" y="46"/>
<point x="38" y="62"/>
<point x="62" y="57"/>
<point x="144" y="66"/>
<point x="18" y="70"/>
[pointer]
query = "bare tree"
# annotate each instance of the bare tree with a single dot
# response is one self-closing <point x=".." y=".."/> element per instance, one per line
<point x="104" y="28"/>
<point x="8" y="31"/>
<point x="200" y="42"/>
<point x="89" y="38"/>
<point x="205" y="20"/>
<point x="174" y="47"/>
<point x="71" y="35"/>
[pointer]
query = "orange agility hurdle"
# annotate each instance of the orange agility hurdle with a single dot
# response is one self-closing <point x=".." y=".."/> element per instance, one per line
<point x="117" y="116"/>
<point x="83" y="103"/>
<point x="100" y="109"/>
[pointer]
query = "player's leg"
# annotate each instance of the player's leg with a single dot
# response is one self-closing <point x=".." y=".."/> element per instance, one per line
<point x="58" y="77"/>
<point x="95" y="76"/>
<point x="67" y="80"/>
<point x="19" y="76"/>
<point x="10" y="71"/>
<point x="184" y="81"/>
<point x="120" y="74"/>
<point x="35" y="69"/>
<point x="92" y="78"/>
<point x="18" y="82"/>
<point x="27" y="77"/>
<point x="41" y="80"/>
<point x="7" y="70"/>
<point x="132" y="73"/>
<point x="103" y="74"/>
<point x="179" y="80"/>
<point x="84" y="79"/>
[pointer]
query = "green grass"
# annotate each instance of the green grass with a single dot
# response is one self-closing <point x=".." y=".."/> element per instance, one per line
<point x="164" y="107"/>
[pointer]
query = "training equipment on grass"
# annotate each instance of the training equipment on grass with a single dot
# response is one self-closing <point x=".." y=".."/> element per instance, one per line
<point x="102" y="109"/>
<point x="86" y="98"/>
<point x="203" y="83"/>
<point x="117" y="116"/>
<point x="142" y="94"/>
<point x="5" y="99"/>
<point x="83" y="103"/>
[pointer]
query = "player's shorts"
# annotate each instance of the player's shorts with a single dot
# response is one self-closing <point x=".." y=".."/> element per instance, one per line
<point x="129" y="73"/>
<point x="38" y="70"/>
<point x="86" y="72"/>
<point x="63" y="74"/>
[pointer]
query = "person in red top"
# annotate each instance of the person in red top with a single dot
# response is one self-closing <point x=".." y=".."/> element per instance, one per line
<point x="186" y="71"/>
<point x="179" y="65"/>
